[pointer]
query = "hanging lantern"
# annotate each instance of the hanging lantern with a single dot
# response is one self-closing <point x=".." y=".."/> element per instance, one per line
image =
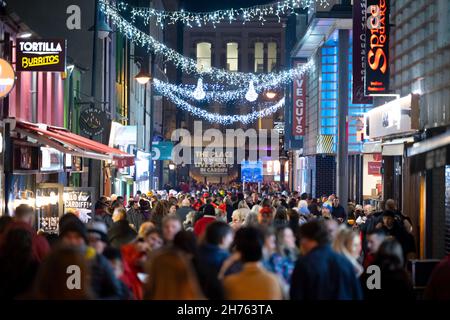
<point x="199" y="93"/>
<point x="251" y="94"/>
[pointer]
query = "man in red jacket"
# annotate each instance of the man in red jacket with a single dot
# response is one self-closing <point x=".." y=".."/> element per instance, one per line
<point x="209" y="215"/>
<point x="23" y="219"/>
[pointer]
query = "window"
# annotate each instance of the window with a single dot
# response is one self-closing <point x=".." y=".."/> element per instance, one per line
<point x="203" y="56"/>
<point x="271" y="56"/>
<point x="232" y="56"/>
<point x="259" y="57"/>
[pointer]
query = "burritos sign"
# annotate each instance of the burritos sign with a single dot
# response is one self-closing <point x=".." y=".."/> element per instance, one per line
<point x="41" y="55"/>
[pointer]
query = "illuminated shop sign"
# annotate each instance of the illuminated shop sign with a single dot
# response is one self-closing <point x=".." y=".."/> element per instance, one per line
<point x="41" y="55"/>
<point x="377" y="41"/>
<point x="359" y="52"/>
<point x="7" y="78"/>
<point x="299" y="107"/>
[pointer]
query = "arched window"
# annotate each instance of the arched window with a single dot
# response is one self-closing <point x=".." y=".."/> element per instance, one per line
<point x="203" y="56"/>
<point x="259" y="57"/>
<point x="271" y="56"/>
<point x="232" y="56"/>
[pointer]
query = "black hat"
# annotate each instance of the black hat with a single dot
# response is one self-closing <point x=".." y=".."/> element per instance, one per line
<point x="209" y="210"/>
<point x="71" y="223"/>
<point x="144" y="204"/>
<point x="389" y="213"/>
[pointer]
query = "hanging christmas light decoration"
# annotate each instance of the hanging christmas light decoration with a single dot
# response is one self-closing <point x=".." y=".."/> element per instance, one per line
<point x="220" y="93"/>
<point x="199" y="93"/>
<point x="255" y="13"/>
<point x="251" y="94"/>
<point x="169" y="93"/>
<point x="189" y="65"/>
<point x="220" y="118"/>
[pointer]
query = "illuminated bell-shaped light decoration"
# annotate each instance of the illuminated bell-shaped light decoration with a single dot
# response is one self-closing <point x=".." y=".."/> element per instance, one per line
<point x="199" y="93"/>
<point x="251" y="94"/>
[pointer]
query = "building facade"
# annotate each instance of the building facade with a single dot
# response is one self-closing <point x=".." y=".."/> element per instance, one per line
<point x="325" y="36"/>
<point x="236" y="48"/>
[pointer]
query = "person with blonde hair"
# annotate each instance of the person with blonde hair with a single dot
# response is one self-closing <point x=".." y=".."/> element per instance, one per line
<point x="239" y="215"/>
<point x="348" y="243"/>
<point x="171" y="277"/>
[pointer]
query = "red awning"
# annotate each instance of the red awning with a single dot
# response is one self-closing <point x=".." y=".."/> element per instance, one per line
<point x="73" y="143"/>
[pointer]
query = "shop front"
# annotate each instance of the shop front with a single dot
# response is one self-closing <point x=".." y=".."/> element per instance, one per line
<point x="37" y="159"/>
<point x="372" y="169"/>
<point x="430" y="162"/>
<point x="393" y="125"/>
<point x="123" y="138"/>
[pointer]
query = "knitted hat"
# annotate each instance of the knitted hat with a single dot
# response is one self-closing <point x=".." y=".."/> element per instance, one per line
<point x="70" y="223"/>
<point x="99" y="228"/>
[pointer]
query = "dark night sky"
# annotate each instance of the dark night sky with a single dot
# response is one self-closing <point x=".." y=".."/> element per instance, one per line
<point x="209" y="5"/>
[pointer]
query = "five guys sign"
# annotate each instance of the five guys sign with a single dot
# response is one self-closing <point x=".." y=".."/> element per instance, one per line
<point x="299" y="107"/>
<point x="377" y="37"/>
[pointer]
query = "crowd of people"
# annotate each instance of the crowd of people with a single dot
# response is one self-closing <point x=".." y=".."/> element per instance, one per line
<point x="214" y="243"/>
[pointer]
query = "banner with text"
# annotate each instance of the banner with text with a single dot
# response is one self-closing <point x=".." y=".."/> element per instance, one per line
<point x="359" y="52"/>
<point x="299" y="104"/>
<point x="377" y="36"/>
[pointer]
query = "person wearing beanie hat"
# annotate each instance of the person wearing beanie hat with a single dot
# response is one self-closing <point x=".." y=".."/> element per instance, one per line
<point x="73" y="233"/>
<point x="97" y="236"/>
<point x="145" y="207"/>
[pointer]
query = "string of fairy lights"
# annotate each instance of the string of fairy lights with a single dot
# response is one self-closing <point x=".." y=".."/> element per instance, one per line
<point x="218" y="93"/>
<point x="188" y="65"/>
<point x="220" y="118"/>
<point x="250" y="85"/>
<point x="255" y="13"/>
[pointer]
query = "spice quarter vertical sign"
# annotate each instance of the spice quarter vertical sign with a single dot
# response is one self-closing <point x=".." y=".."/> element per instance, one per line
<point x="299" y="108"/>
<point x="359" y="52"/>
<point x="377" y="37"/>
<point x="41" y="55"/>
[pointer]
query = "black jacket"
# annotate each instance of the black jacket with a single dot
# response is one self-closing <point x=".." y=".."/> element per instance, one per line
<point x="121" y="233"/>
<point x="105" y="285"/>
<point x="339" y="212"/>
<point x="136" y="218"/>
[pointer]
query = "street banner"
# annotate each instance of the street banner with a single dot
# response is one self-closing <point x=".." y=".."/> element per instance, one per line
<point x="299" y="105"/>
<point x="359" y="52"/>
<point x="47" y="55"/>
<point x="377" y="35"/>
